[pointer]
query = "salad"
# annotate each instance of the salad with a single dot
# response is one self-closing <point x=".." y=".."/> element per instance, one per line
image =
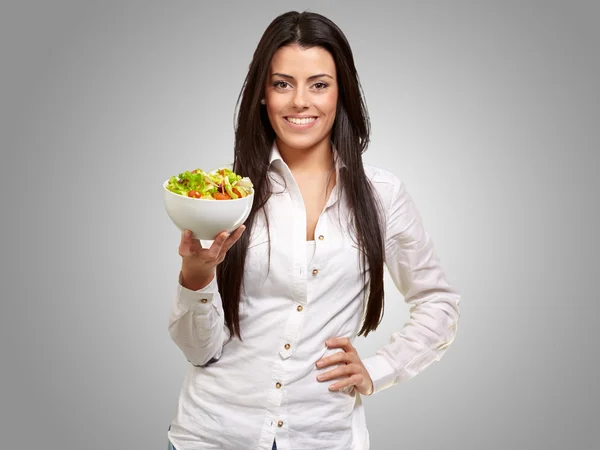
<point x="220" y="184"/>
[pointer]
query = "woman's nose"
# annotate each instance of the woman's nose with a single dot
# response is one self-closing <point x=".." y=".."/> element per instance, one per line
<point x="300" y="100"/>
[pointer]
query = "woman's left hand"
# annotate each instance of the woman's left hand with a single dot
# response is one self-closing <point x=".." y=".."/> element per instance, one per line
<point x="353" y="373"/>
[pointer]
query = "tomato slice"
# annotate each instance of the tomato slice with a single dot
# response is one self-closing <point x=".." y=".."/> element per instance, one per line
<point x="194" y="194"/>
<point x="220" y="196"/>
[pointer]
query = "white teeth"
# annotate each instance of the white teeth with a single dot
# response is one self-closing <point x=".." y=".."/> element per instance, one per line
<point x="301" y="121"/>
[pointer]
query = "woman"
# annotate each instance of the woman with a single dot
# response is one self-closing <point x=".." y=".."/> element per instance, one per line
<point x="267" y="315"/>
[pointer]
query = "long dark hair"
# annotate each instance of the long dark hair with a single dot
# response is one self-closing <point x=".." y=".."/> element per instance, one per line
<point x="254" y="138"/>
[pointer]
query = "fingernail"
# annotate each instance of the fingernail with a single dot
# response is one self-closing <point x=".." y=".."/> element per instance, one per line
<point x="187" y="233"/>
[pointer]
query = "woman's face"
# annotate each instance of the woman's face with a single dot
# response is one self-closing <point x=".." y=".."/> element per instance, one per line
<point x="301" y="96"/>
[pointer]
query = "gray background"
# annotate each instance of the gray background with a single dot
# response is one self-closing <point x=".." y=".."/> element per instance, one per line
<point x="489" y="112"/>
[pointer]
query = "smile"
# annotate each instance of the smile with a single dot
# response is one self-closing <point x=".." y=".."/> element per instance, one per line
<point x="304" y="122"/>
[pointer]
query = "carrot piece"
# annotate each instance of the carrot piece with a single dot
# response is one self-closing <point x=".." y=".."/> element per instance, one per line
<point x="220" y="196"/>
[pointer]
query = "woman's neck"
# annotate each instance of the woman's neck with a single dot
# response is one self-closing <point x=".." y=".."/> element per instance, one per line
<point x="316" y="159"/>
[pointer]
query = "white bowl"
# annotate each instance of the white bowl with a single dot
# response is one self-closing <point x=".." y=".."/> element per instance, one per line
<point x="206" y="218"/>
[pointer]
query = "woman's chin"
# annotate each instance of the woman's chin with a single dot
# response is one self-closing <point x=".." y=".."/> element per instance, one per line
<point x="300" y="143"/>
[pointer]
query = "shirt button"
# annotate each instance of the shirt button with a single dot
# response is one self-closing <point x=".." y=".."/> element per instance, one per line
<point x="315" y="271"/>
<point x="299" y="308"/>
<point x="287" y="346"/>
<point x="278" y="385"/>
<point x="321" y="237"/>
<point x="203" y="300"/>
<point x="280" y="424"/>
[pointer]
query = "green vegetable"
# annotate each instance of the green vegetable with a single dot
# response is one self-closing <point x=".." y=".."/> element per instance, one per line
<point x="220" y="184"/>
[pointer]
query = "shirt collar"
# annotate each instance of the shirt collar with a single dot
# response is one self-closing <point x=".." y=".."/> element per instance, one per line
<point x="335" y="194"/>
<point x="276" y="156"/>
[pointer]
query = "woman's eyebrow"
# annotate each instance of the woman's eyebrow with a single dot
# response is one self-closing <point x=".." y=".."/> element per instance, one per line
<point x="312" y="77"/>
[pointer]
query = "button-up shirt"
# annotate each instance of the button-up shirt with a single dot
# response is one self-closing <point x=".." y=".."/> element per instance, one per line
<point x="244" y="394"/>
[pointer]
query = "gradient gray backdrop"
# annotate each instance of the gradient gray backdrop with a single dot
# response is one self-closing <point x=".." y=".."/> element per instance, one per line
<point x="488" y="110"/>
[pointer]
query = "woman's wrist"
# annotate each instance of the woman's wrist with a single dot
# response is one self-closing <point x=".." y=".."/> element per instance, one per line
<point x="195" y="281"/>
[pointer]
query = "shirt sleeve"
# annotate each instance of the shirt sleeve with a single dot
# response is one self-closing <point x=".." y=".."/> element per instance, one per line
<point x="196" y="323"/>
<point x="434" y="304"/>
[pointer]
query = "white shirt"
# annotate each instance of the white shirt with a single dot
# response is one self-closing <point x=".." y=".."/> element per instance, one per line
<point x="265" y="387"/>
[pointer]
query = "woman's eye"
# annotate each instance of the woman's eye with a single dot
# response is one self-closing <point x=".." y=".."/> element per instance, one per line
<point x="281" y="84"/>
<point x="320" y="86"/>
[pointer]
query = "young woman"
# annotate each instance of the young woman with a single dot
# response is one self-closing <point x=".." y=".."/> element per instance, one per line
<point x="267" y="315"/>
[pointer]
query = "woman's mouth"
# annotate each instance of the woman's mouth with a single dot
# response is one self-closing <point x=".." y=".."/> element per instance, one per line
<point x="301" y="122"/>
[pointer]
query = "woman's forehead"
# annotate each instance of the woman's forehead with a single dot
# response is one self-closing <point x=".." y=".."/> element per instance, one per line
<point x="302" y="62"/>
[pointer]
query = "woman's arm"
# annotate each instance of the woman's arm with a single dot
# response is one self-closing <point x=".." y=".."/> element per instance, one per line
<point x="196" y="323"/>
<point x="434" y="304"/>
<point x="197" y="320"/>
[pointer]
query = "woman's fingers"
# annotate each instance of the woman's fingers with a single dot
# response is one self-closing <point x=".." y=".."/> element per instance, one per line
<point x="337" y="358"/>
<point x="352" y="370"/>
<point x="341" y="342"/>
<point x="342" y="371"/>
<point x="224" y="242"/>
<point x="233" y="238"/>
<point x="188" y="245"/>
<point x="352" y="380"/>
<point x="215" y="249"/>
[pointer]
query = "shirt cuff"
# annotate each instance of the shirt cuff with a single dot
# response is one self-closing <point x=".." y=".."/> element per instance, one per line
<point x="381" y="372"/>
<point x="199" y="301"/>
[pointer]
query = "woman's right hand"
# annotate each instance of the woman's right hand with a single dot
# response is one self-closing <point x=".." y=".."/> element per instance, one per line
<point x="198" y="264"/>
